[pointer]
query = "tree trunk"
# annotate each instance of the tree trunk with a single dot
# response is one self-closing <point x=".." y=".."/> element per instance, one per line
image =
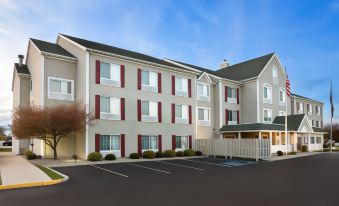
<point x="55" y="149"/>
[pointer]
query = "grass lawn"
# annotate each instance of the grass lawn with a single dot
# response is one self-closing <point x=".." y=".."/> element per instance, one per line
<point x="53" y="175"/>
<point x="0" y="180"/>
<point x="5" y="149"/>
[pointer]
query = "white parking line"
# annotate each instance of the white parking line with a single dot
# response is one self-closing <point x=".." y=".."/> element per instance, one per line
<point x="110" y="171"/>
<point x="179" y="165"/>
<point x="149" y="168"/>
<point x="210" y="163"/>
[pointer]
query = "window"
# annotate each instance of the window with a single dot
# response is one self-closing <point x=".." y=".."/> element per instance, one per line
<point x="282" y="113"/>
<point x="317" y="110"/>
<point x="181" y="142"/>
<point x="267" y="116"/>
<point x="231" y="95"/>
<point x="282" y="97"/>
<point x="149" y="142"/>
<point x="110" y="108"/>
<point x="61" y="89"/>
<point x="204" y="116"/>
<point x="232" y="117"/>
<point x="300" y="107"/>
<point x="149" y="111"/>
<point x="267" y="94"/>
<point x="317" y="123"/>
<point x="181" y="86"/>
<point x="109" y="143"/>
<point x="149" y="81"/>
<point x="275" y="75"/>
<point x="305" y="140"/>
<point x="319" y="140"/>
<point x="203" y="92"/>
<point x="312" y="140"/>
<point x="309" y="109"/>
<point x="110" y="74"/>
<point x="181" y="114"/>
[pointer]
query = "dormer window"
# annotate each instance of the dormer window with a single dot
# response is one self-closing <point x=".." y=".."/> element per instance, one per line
<point x="203" y="91"/>
<point x="267" y="94"/>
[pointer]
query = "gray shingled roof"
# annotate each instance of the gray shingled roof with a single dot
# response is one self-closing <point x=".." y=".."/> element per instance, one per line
<point x="245" y="70"/>
<point x="195" y="67"/>
<point x="123" y="52"/>
<point x="251" y="127"/>
<point x="23" y="69"/>
<point x="45" y="46"/>
<point x="297" y="95"/>
<point x="316" y="129"/>
<point x="293" y="121"/>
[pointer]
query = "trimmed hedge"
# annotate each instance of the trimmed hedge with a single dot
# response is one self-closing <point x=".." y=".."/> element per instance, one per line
<point x="28" y="153"/>
<point x="159" y="155"/>
<point x="110" y="157"/>
<point x="148" y="154"/>
<point x="304" y="148"/>
<point x="189" y="152"/>
<point x="134" y="156"/>
<point x="198" y="153"/>
<point x="32" y="156"/>
<point x="280" y="153"/>
<point x="94" y="156"/>
<point x="180" y="154"/>
<point x="169" y="153"/>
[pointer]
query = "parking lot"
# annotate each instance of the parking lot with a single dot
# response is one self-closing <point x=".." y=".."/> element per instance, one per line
<point x="204" y="181"/>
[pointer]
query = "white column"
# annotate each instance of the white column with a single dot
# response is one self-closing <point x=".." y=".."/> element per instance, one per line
<point x="309" y="141"/>
<point x="270" y="143"/>
<point x="239" y="135"/>
<point x="259" y="135"/>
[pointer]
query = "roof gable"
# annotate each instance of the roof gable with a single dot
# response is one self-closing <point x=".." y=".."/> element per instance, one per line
<point x="52" y="48"/>
<point x="296" y="122"/>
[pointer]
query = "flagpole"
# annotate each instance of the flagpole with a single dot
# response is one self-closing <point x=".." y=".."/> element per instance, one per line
<point x="286" y="142"/>
<point x="331" y="119"/>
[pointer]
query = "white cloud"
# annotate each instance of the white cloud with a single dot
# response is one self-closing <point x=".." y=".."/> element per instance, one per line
<point x="334" y="6"/>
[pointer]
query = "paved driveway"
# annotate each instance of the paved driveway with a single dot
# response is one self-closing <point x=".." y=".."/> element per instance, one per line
<point x="299" y="181"/>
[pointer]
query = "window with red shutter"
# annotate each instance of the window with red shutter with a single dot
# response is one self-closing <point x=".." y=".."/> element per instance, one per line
<point x="122" y="75"/>
<point x="190" y="114"/>
<point x="189" y="88"/>
<point x="173" y="84"/>
<point x="97" y="142"/>
<point x="173" y="142"/>
<point x="173" y="113"/>
<point x="139" y="145"/>
<point x="122" y="145"/>
<point x="225" y="93"/>
<point x="159" y="82"/>
<point x="160" y="143"/>
<point x="97" y="71"/>
<point x="97" y="106"/>
<point x="139" y="79"/>
<point x="122" y="107"/>
<point x="159" y="112"/>
<point x="139" y="110"/>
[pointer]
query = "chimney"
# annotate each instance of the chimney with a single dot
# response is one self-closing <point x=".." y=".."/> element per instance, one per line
<point x="224" y="64"/>
<point x="21" y="58"/>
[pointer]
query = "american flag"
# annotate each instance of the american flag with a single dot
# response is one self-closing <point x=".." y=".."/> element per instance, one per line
<point x="288" y="86"/>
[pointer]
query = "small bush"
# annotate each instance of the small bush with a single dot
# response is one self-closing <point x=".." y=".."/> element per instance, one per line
<point x="326" y="146"/>
<point x="39" y="157"/>
<point x="94" y="156"/>
<point x="304" y="148"/>
<point x="169" y="153"/>
<point x="180" y="154"/>
<point x="75" y="157"/>
<point x="198" y="153"/>
<point x="159" y="155"/>
<point x="134" y="156"/>
<point x="189" y="152"/>
<point x="28" y="152"/>
<point x="148" y="154"/>
<point x="280" y="153"/>
<point x="292" y="153"/>
<point x="32" y="156"/>
<point x="110" y="157"/>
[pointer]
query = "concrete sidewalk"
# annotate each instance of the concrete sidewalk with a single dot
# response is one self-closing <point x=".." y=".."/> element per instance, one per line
<point x="285" y="157"/>
<point x="17" y="170"/>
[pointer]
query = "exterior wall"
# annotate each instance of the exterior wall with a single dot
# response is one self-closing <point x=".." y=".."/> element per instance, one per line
<point x="313" y="116"/>
<point x="228" y="105"/>
<point x="248" y="95"/>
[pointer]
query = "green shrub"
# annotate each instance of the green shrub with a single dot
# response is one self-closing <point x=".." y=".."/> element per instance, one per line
<point x="110" y="157"/>
<point x="292" y="153"/>
<point x="280" y="153"/>
<point x="94" y="156"/>
<point x="326" y="146"/>
<point x="32" y="156"/>
<point x="304" y="148"/>
<point x="198" y="153"/>
<point x="159" y="155"/>
<point x="180" y="154"/>
<point x="148" y="154"/>
<point x="169" y="153"/>
<point x="189" y="152"/>
<point x="134" y="156"/>
<point x="28" y="152"/>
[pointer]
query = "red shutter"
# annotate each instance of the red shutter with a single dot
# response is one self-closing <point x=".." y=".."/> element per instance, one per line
<point x="160" y="143"/>
<point x="225" y="93"/>
<point x="189" y="88"/>
<point x="190" y="141"/>
<point x="139" y="79"/>
<point x="159" y="82"/>
<point x="237" y="95"/>
<point x="97" y="142"/>
<point x="173" y="113"/>
<point x="122" y="108"/>
<point x="139" y="144"/>
<point x="97" y="106"/>
<point x="173" y="142"/>
<point x="238" y="117"/>
<point x="173" y="84"/>
<point x="139" y="110"/>
<point x="226" y="115"/>
<point x="159" y="112"/>
<point x="122" y="75"/>
<point x="190" y="114"/>
<point x="122" y="145"/>
<point x="97" y="71"/>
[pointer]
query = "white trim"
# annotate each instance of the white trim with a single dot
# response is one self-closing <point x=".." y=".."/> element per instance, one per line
<point x="207" y="76"/>
<point x="70" y="41"/>
<point x="204" y="122"/>
<point x="263" y="116"/>
<point x="267" y="100"/>
<point x="220" y="104"/>
<point x="280" y="66"/>
<point x="307" y="122"/>
<point x="149" y="137"/>
<point x="117" y="153"/>
<point x="258" y="103"/>
<point x="283" y="103"/>
<point x="87" y="103"/>
<point x="60" y="96"/>
<point x="43" y="88"/>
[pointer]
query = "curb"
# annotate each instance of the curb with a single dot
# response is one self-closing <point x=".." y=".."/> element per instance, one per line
<point x="36" y="184"/>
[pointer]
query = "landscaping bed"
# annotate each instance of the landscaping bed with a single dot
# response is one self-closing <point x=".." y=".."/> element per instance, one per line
<point x="53" y="175"/>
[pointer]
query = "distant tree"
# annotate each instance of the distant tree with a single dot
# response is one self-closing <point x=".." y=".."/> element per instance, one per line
<point x="3" y="135"/>
<point x="335" y="131"/>
<point x="49" y="124"/>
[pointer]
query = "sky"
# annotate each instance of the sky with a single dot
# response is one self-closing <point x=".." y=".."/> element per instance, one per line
<point x="305" y="35"/>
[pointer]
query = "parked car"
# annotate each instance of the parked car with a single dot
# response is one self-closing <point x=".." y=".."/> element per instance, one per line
<point x="7" y="143"/>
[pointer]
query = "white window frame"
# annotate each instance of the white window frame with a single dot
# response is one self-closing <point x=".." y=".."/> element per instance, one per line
<point x="203" y="97"/>
<point x="183" y="92"/>
<point x="149" y="87"/>
<point x="275" y="75"/>
<point x="309" y="109"/>
<point x="149" y="141"/>
<point x="232" y="99"/>
<point x="61" y="95"/>
<point x="301" y="108"/>
<point x="283" y="102"/>
<point x="318" y="113"/>
<point x="149" y="118"/>
<point x="181" y="120"/>
<point x="111" y="115"/>
<point x="233" y="122"/>
<point x="182" y="144"/>
<point x="263" y="116"/>
<point x="269" y="93"/>
<point x="204" y="122"/>
<point x="117" y="153"/>
<point x="110" y="81"/>
<point x="282" y="113"/>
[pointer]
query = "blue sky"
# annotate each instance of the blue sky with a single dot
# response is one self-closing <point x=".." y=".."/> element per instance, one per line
<point x="305" y="34"/>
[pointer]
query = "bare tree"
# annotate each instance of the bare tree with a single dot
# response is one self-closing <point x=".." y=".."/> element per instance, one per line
<point x="49" y="124"/>
<point x="335" y="131"/>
